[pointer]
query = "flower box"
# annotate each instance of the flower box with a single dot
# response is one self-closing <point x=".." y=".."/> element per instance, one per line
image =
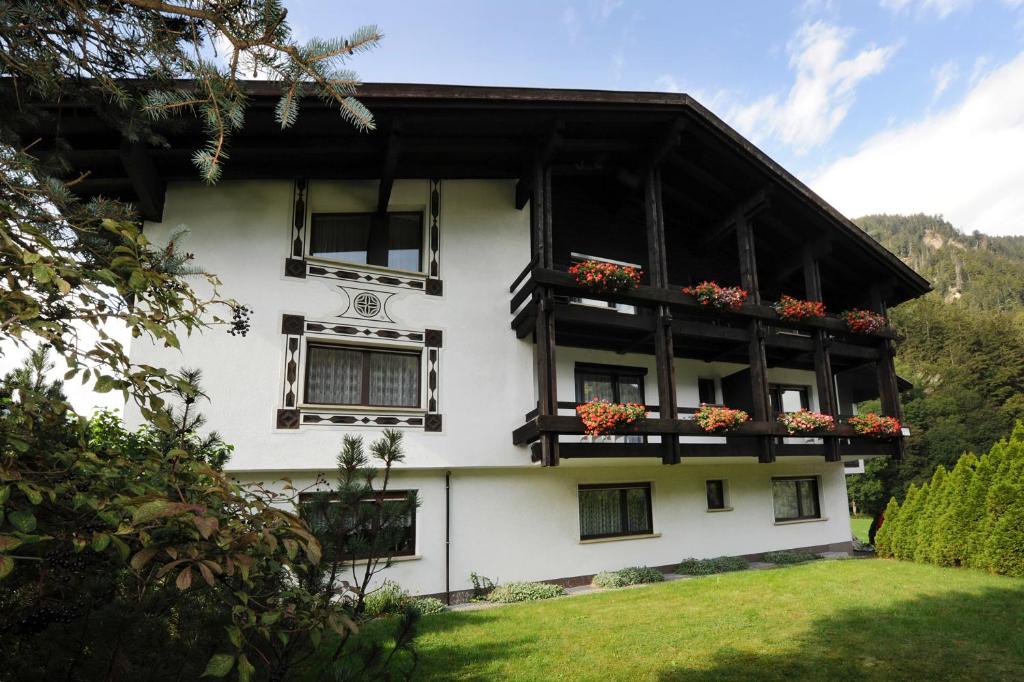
<point x="804" y="421"/>
<point x="875" y="425"/>
<point x="790" y="308"/>
<point x="714" y="419"/>
<point x="605" y="277"/>
<point x="711" y="294"/>
<point x="863" y="321"/>
<point x="600" y="416"/>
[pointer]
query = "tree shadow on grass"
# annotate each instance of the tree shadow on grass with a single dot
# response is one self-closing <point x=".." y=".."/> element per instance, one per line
<point x="961" y="636"/>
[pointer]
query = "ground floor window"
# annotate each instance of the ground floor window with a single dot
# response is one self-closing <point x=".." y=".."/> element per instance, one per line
<point x="716" y="494"/>
<point x="796" y="498"/>
<point x="349" y="540"/>
<point x="615" y="509"/>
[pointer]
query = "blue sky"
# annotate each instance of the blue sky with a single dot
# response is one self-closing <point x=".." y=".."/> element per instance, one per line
<point x="874" y="104"/>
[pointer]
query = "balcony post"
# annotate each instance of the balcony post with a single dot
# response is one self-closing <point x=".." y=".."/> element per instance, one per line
<point x="664" y="352"/>
<point x="544" y="332"/>
<point x="888" y="388"/>
<point x="826" y="380"/>
<point x="760" y="396"/>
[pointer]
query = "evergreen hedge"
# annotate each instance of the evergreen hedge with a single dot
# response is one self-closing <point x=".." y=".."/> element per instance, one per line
<point x="970" y="516"/>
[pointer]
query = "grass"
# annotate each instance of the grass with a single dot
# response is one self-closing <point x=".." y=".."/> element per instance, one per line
<point x="839" y="620"/>
<point x="860" y="526"/>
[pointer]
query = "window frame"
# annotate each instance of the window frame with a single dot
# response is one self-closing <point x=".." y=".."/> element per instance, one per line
<point x="800" y="515"/>
<point x="364" y="389"/>
<point x="775" y="393"/>
<point x="623" y="508"/>
<point x="723" y="484"/>
<point x="390" y="495"/>
<point x="714" y="390"/>
<point x="420" y="213"/>
<point x="614" y="371"/>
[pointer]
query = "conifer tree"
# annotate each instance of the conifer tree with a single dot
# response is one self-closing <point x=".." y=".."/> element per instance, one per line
<point x="928" y="518"/>
<point x="883" y="539"/>
<point x="949" y="543"/>
<point x="975" y="515"/>
<point x="1004" y="546"/>
<point x="904" y="534"/>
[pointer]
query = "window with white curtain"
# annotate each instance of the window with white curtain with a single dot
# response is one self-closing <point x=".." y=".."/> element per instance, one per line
<point x="345" y="375"/>
<point x="394" y="240"/>
<point x="796" y="498"/>
<point x="617" y="509"/>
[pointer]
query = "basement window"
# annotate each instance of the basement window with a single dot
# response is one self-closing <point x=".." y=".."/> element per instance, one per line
<point x="322" y="511"/>
<point x="394" y="240"/>
<point x="610" y="510"/>
<point x="796" y="498"/>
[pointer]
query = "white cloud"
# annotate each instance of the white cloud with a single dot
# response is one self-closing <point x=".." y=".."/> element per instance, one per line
<point x="941" y="8"/>
<point x="944" y="76"/>
<point x="966" y="162"/>
<point x="667" y="83"/>
<point x="822" y="92"/>
<point x="608" y="7"/>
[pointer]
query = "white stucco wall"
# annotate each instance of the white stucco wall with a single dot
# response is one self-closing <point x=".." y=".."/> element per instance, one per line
<point x="510" y="519"/>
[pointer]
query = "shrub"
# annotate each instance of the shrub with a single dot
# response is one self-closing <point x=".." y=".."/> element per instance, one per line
<point x="391" y="600"/>
<point x="903" y="533"/>
<point x="510" y="593"/>
<point x="786" y="557"/>
<point x="929" y="518"/>
<point x="482" y="586"/>
<point x="949" y="542"/>
<point x="722" y="564"/>
<point x="428" y="606"/>
<point x="387" y="600"/>
<point x="624" y="577"/>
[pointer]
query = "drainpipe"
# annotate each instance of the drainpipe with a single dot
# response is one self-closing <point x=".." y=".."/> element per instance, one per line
<point x="447" y="537"/>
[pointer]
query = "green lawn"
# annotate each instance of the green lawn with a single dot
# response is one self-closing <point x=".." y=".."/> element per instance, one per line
<point x="860" y="526"/>
<point x="838" y="620"/>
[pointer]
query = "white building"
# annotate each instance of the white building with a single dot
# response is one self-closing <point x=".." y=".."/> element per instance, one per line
<point x="378" y="268"/>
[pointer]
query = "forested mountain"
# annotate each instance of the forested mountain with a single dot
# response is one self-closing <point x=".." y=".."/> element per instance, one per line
<point x="962" y="347"/>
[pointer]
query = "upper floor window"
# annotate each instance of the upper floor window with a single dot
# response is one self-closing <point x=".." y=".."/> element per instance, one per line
<point x="347" y="375"/>
<point x="706" y="391"/>
<point x="611" y="383"/>
<point x="789" y="398"/>
<point x="394" y="240"/>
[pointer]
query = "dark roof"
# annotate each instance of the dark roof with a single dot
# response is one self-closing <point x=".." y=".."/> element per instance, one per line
<point x="480" y="131"/>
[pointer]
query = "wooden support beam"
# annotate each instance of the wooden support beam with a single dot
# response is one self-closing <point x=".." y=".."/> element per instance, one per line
<point x="527" y="185"/>
<point x="149" y="187"/>
<point x="658" y="268"/>
<point x="824" y="376"/>
<point x="744" y="212"/>
<point x="392" y="149"/>
<point x="888" y="383"/>
<point x="761" y="397"/>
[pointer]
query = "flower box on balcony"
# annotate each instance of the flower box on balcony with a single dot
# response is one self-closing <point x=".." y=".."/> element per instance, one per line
<point x="863" y="321"/>
<point x="715" y="419"/>
<point x="875" y="425"/>
<point x="805" y="421"/>
<point x="711" y="294"/>
<point x="600" y="416"/>
<point x="790" y="308"/>
<point x="606" y="278"/>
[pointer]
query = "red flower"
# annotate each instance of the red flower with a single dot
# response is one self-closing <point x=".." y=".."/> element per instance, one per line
<point x="863" y="321"/>
<point x="804" y="421"/>
<point x="790" y="308"/>
<point x="871" y="424"/>
<point x="600" y="416"/>
<point x="710" y="293"/>
<point x="605" y="277"/>
<point x="712" y="418"/>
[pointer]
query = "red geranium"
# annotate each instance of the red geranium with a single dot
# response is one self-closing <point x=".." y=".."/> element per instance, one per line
<point x="605" y="277"/>
<point x="871" y="424"/>
<point x="711" y="294"/>
<point x="713" y="418"/>
<point x="790" y="308"/>
<point x="863" y="321"/>
<point x="600" y="416"/>
<point x="803" y="421"/>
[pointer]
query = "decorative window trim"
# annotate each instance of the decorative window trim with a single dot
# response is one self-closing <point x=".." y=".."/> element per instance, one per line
<point x="300" y="265"/>
<point x="294" y="413"/>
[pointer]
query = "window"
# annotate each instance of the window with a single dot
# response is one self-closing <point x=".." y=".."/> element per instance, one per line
<point x="340" y="375"/>
<point x="613" y="510"/>
<point x="611" y="383"/>
<point x="706" y="391"/>
<point x="796" y="498"/>
<point x="789" y="398"/>
<point x="394" y="240"/>
<point x="716" y="494"/>
<point x="396" y="541"/>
